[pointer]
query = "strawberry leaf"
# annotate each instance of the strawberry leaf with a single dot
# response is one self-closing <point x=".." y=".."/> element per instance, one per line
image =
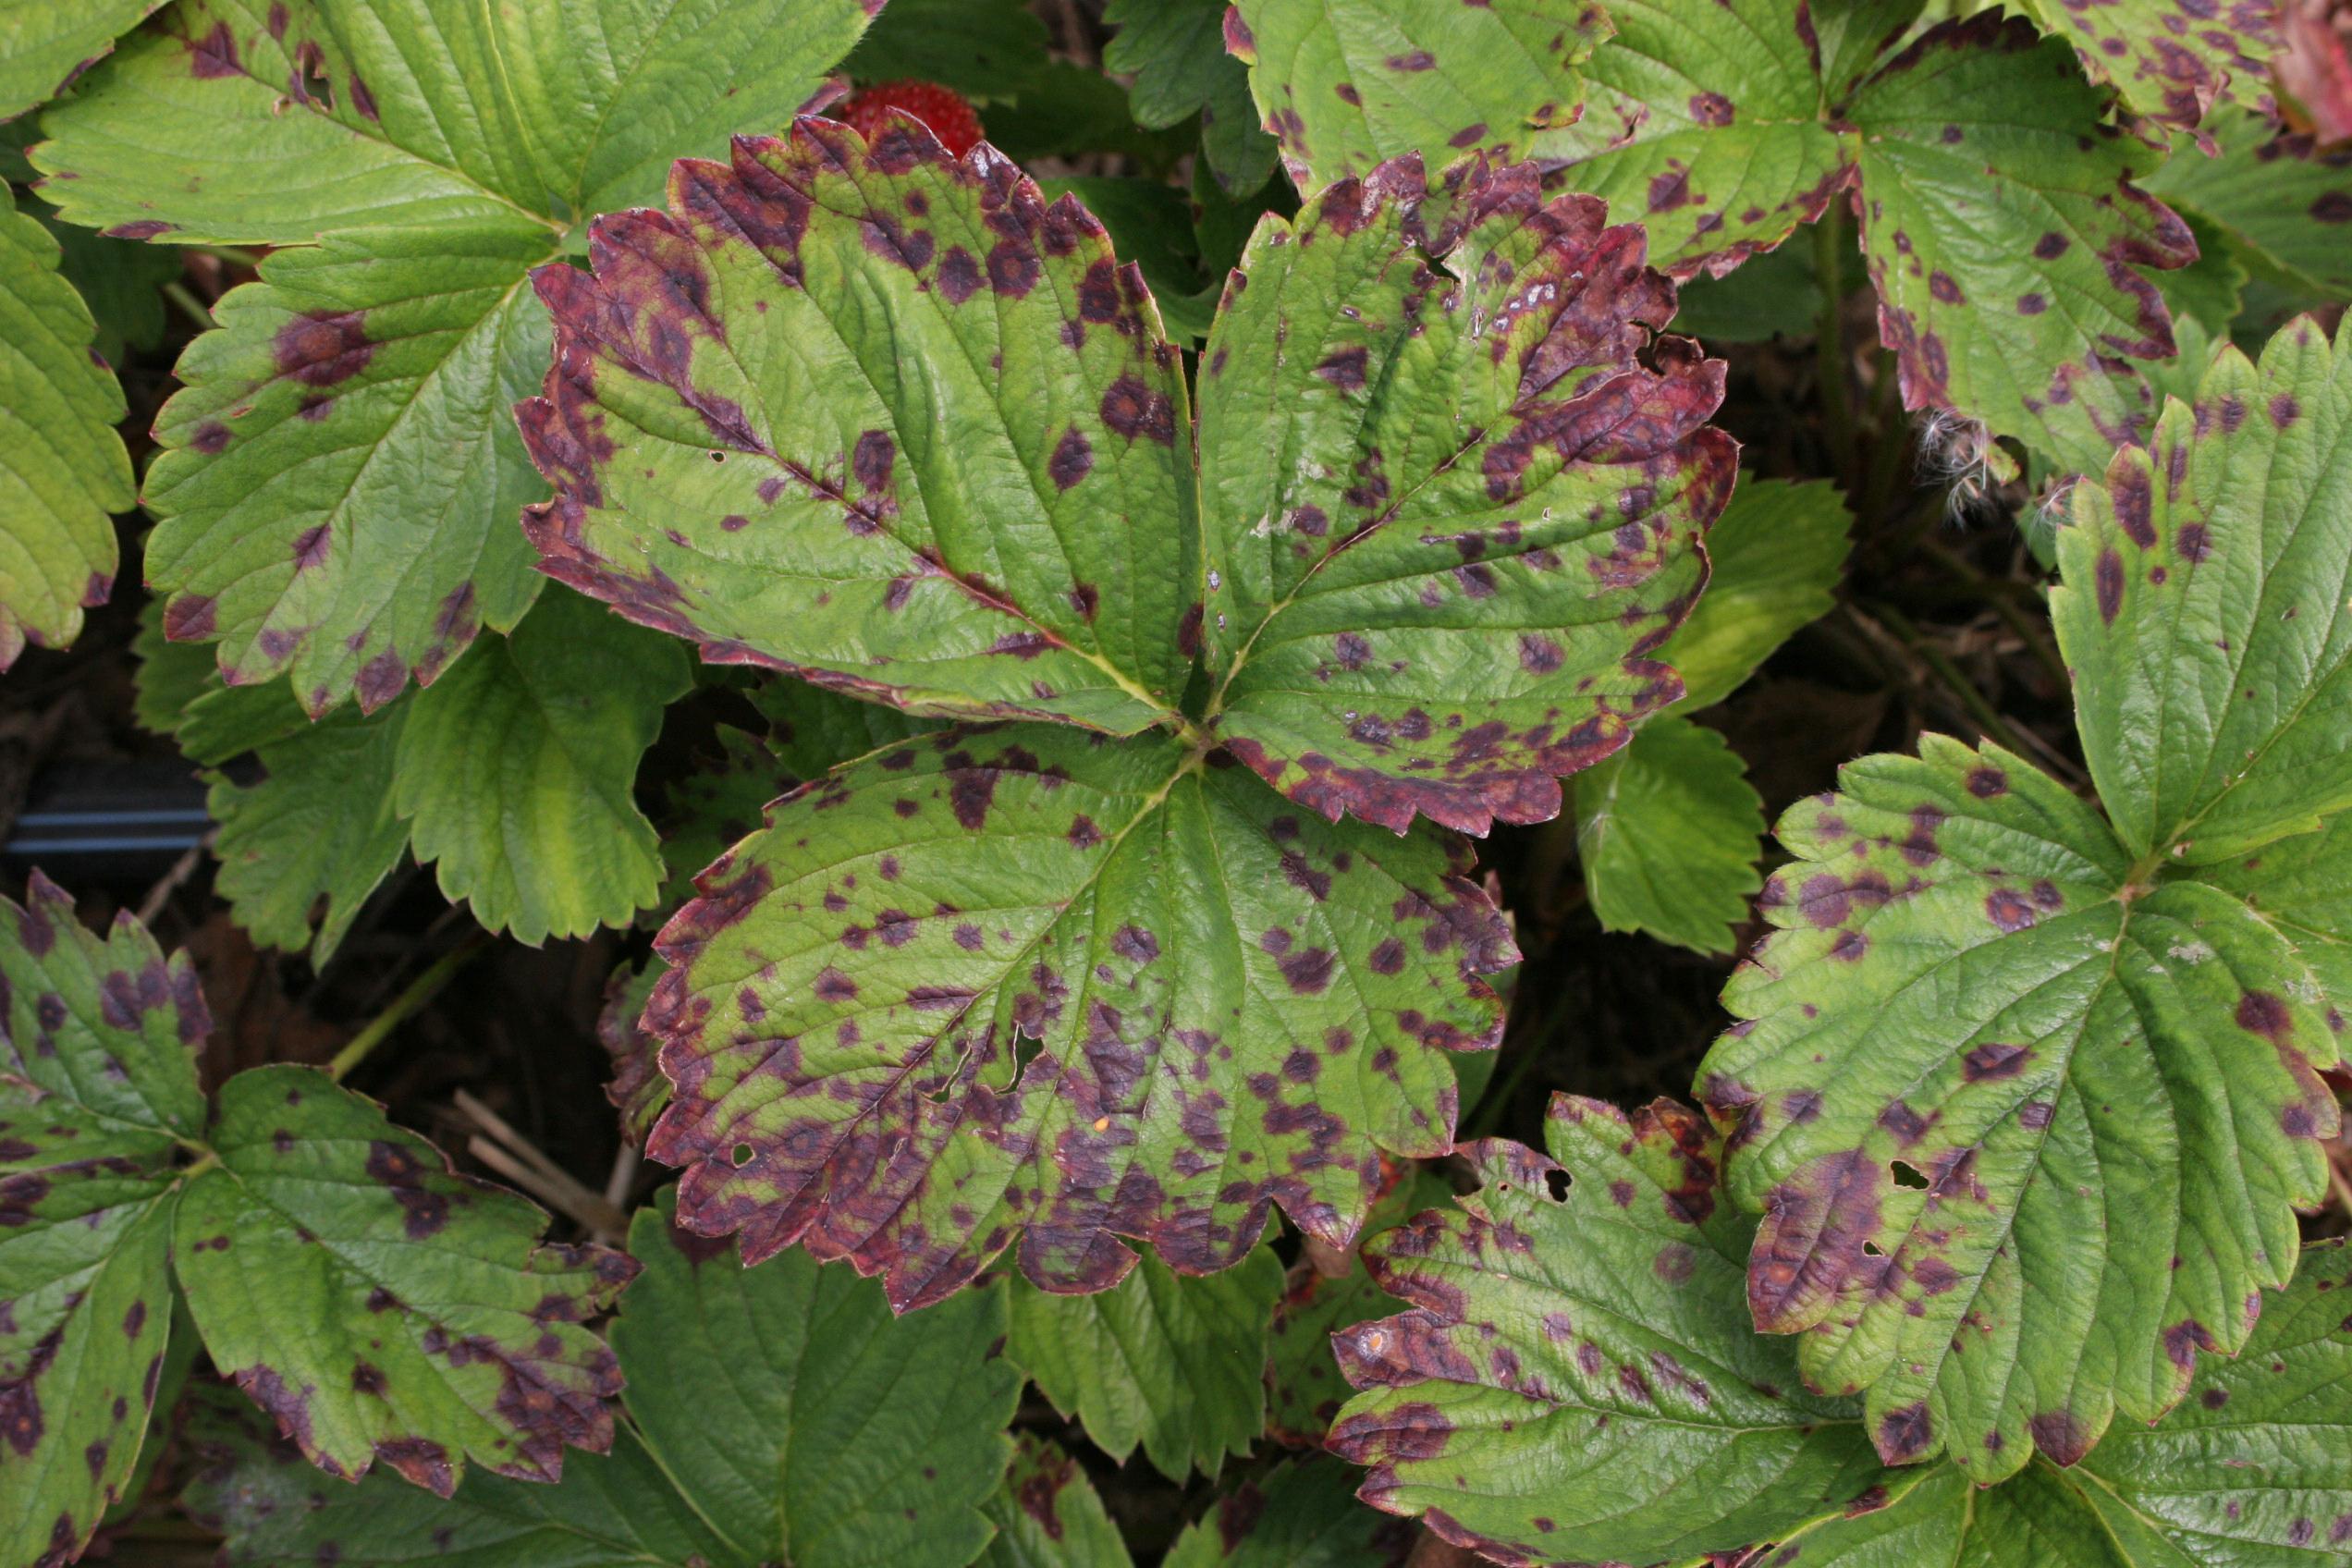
<point x="745" y="455"/>
<point x="63" y="468"/>
<point x="516" y="772"/>
<point x="1670" y="831"/>
<point x="44" y="45"/>
<point x="303" y="1255"/>
<point x="1176" y="53"/>
<point x="1450" y="512"/>
<point x="2249" y="1473"/>
<point x="2281" y="199"/>
<point x="1775" y="556"/>
<point x="434" y="152"/>
<point x="1047" y="1514"/>
<point x="1233" y="1005"/>
<point x="98" y="1103"/>
<point x="1348" y="84"/>
<point x="2170" y="60"/>
<point x="820" y="1378"/>
<point x="1178" y="1365"/>
<point x="1579" y="1370"/>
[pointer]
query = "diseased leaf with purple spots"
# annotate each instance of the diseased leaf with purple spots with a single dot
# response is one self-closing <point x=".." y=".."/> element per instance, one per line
<point x="1928" y="1101"/>
<point x="1578" y="1375"/>
<point x="1303" y="1516"/>
<point x="637" y="1088"/>
<point x="1175" y="1363"/>
<point x="1047" y="1514"/>
<point x="517" y="771"/>
<point x="1450" y="513"/>
<point x="296" y="525"/>
<point x="609" y="1510"/>
<point x="381" y="1308"/>
<point x="2203" y="609"/>
<point x="1026" y="985"/>
<point x="806" y="1423"/>
<point x="63" y="468"/>
<point x="882" y="418"/>
<point x="98" y="1096"/>
<point x="2005" y="233"/>
<point x="2173" y="60"/>
<point x="2249" y="1473"/>
<point x="2284" y="200"/>
<point x="342" y="469"/>
<point x="1345" y="85"/>
<point x="44" y="45"/>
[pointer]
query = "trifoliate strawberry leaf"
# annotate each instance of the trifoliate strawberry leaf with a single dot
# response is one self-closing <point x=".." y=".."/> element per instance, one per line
<point x="1176" y="53"/>
<point x="516" y="769"/>
<point x="1303" y="1387"/>
<point x="1670" y="831"/>
<point x="2027" y="1121"/>
<point x="609" y="1510"/>
<point x="816" y="1380"/>
<point x="2003" y="230"/>
<point x="1450" y="513"/>
<point x="1775" y="556"/>
<point x="2284" y="199"/>
<point x="437" y="152"/>
<point x="313" y="836"/>
<point x="380" y="1306"/>
<point x="99" y="1106"/>
<point x="2249" y="1473"/>
<point x="1304" y="1515"/>
<point x="1047" y="1514"/>
<point x="882" y="418"/>
<point x="45" y="43"/>
<point x="1232" y="1005"/>
<point x="1174" y="1364"/>
<point x="1578" y="1374"/>
<point x="354" y="399"/>
<point x="1348" y="84"/>
<point x="63" y="468"/>
<point x="2203" y="608"/>
<point x="2170" y="60"/>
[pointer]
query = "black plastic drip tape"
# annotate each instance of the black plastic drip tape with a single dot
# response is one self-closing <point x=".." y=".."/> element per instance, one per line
<point x="84" y="824"/>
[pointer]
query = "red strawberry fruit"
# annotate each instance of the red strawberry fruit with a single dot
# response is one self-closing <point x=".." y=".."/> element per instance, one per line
<point x="952" y="119"/>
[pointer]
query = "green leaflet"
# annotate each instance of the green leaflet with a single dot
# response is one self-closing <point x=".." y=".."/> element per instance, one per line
<point x="1177" y="1364"/>
<point x="299" y="1253"/>
<point x="298" y="526"/>
<point x="777" y="1451"/>
<point x="1047" y="1514"/>
<point x="1776" y="554"/>
<point x="2284" y="200"/>
<point x="97" y="1095"/>
<point x="434" y="151"/>
<point x="63" y="468"/>
<point x="2170" y="60"/>
<point x="119" y="280"/>
<point x="1176" y="51"/>
<point x="1233" y="1004"/>
<point x="295" y="1221"/>
<point x="516" y="772"/>
<point x="1304" y="1517"/>
<point x="1348" y="84"/>
<point x="2202" y="608"/>
<point x="45" y="43"/>
<point x="2248" y="1474"/>
<point x="1448" y="514"/>
<point x="1578" y="1374"/>
<point x="2000" y="220"/>
<point x="812" y="731"/>
<point x="720" y="802"/>
<point x="2298" y="886"/>
<point x="1670" y="831"/>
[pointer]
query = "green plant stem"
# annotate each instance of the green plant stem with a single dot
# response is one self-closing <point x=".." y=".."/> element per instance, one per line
<point x="1948" y="675"/>
<point x="2003" y="597"/>
<point x="180" y="294"/>
<point x="1828" y="344"/>
<point x="420" y="990"/>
